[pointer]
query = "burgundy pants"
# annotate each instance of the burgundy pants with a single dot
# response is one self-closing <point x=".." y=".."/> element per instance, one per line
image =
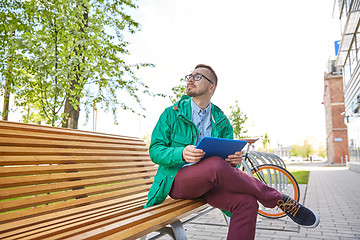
<point x="226" y="188"/>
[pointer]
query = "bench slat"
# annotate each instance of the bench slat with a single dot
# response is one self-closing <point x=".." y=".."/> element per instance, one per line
<point x="144" y="227"/>
<point x="31" y="222"/>
<point x="11" y="150"/>
<point x="61" y="196"/>
<point x="9" y="193"/>
<point x="67" y="144"/>
<point x="53" y="178"/>
<point x="63" y="168"/>
<point x="105" y="209"/>
<point x="65" y="131"/>
<point x="26" y="214"/>
<point x="101" y="229"/>
<point x="120" y="220"/>
<point x="66" y="137"/>
<point x="47" y="230"/>
<point x="41" y="159"/>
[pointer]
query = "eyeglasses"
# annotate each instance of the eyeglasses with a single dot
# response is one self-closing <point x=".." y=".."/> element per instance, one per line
<point x="196" y="77"/>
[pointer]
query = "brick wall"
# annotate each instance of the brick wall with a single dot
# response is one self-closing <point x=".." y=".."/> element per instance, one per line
<point x="336" y="130"/>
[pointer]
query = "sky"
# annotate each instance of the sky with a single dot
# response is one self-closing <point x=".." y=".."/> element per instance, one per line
<point x="270" y="56"/>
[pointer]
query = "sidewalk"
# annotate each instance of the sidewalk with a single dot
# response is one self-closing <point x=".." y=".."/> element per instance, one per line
<point x="333" y="192"/>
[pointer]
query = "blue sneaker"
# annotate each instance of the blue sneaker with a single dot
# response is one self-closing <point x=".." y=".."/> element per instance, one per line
<point x="298" y="213"/>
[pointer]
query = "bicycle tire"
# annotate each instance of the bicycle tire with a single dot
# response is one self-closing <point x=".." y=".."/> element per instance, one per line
<point x="282" y="180"/>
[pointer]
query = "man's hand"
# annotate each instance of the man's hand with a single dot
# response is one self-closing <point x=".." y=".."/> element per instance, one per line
<point x="235" y="159"/>
<point x="191" y="154"/>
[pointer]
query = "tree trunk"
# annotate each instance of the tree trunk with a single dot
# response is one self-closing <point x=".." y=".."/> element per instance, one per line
<point x="72" y="120"/>
<point x="73" y="114"/>
<point x="5" y="113"/>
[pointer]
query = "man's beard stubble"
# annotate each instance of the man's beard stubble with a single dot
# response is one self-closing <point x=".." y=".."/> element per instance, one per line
<point x="195" y="94"/>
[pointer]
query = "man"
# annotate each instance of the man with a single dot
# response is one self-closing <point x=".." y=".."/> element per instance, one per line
<point x="181" y="174"/>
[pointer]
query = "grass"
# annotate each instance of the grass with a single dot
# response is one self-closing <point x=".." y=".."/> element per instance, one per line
<point x="301" y="176"/>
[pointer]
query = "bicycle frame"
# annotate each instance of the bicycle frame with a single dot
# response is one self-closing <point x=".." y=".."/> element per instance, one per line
<point x="246" y="158"/>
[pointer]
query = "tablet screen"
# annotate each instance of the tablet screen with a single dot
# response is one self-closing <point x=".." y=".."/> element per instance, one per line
<point x="221" y="147"/>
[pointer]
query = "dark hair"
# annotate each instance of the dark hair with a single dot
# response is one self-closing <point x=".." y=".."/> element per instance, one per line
<point x="214" y="77"/>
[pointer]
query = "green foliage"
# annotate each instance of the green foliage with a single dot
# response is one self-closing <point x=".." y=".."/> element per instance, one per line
<point x="307" y="150"/>
<point x="178" y="91"/>
<point x="295" y="150"/>
<point x="266" y="142"/>
<point x="304" y="151"/>
<point x="238" y="119"/>
<point x="12" y="21"/>
<point x="69" y="51"/>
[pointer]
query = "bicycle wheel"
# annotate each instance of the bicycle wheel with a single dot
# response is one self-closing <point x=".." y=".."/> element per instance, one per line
<point x="280" y="179"/>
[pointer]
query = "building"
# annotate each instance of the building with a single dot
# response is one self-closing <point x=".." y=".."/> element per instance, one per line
<point x="283" y="152"/>
<point x="348" y="59"/>
<point x="336" y="130"/>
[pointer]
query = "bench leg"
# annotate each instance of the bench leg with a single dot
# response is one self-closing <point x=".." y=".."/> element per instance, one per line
<point x="179" y="231"/>
<point x="176" y="232"/>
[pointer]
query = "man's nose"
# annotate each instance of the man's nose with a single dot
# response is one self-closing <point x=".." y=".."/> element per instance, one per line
<point x="191" y="79"/>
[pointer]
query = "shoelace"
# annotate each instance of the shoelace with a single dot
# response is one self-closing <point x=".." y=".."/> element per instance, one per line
<point x="289" y="206"/>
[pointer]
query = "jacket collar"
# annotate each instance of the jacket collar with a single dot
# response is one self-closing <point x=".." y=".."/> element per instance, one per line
<point x="184" y="108"/>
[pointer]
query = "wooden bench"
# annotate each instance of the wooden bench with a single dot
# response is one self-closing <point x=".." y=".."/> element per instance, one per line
<point x="69" y="184"/>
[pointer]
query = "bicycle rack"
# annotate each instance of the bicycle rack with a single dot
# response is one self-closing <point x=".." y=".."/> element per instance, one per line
<point x="280" y="182"/>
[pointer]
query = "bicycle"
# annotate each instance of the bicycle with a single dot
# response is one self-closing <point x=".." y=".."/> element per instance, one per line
<point x="272" y="175"/>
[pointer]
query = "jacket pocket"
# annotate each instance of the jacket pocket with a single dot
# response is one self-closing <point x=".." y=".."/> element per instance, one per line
<point x="180" y="141"/>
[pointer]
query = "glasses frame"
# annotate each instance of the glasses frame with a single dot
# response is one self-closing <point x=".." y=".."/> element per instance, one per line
<point x="189" y="76"/>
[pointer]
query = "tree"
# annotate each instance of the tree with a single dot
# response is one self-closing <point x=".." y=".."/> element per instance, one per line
<point x="178" y="91"/>
<point x="13" y="24"/>
<point x="304" y="151"/>
<point x="307" y="150"/>
<point x="295" y="150"/>
<point x="74" y="58"/>
<point x="266" y="142"/>
<point x="238" y="119"/>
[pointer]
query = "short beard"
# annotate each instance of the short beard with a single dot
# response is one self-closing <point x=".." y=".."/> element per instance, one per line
<point x="195" y="94"/>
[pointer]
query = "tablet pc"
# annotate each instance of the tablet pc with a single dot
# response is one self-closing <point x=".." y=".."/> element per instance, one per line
<point x="221" y="147"/>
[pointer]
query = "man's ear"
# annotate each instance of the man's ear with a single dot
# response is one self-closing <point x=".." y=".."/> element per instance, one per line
<point x="213" y="88"/>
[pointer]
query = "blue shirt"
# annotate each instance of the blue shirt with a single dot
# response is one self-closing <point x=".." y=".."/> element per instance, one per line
<point x="202" y="120"/>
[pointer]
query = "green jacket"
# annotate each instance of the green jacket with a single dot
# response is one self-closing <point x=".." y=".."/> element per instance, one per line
<point x="172" y="133"/>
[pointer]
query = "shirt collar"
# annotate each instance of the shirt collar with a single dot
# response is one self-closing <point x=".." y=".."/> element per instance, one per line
<point x="197" y="109"/>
